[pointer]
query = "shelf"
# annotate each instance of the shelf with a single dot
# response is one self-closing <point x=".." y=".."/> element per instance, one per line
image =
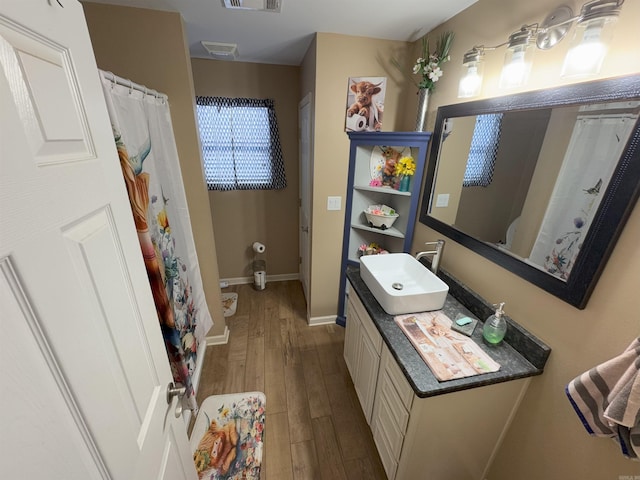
<point x="385" y="190"/>
<point x="391" y="232"/>
<point x="366" y="159"/>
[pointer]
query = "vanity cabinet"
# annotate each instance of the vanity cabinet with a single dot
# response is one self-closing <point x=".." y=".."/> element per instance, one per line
<point x="362" y="345"/>
<point x="452" y="435"/>
<point x="366" y="162"/>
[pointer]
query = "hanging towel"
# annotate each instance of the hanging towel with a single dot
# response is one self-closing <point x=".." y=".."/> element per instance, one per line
<point x="607" y="399"/>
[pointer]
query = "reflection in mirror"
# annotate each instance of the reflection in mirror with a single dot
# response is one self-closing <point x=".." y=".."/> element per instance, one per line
<point x="528" y="180"/>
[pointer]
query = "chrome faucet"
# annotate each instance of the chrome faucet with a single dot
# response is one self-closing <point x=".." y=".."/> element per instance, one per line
<point x="437" y="254"/>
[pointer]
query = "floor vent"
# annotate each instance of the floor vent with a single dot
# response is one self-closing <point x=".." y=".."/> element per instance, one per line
<point x="261" y="5"/>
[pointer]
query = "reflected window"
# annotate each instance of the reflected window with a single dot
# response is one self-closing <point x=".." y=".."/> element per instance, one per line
<point x="484" y="148"/>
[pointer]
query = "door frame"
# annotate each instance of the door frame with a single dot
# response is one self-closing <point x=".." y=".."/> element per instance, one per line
<point x="305" y="197"/>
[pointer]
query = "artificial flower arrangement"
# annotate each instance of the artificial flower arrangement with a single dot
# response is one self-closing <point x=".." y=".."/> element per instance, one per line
<point x="428" y="65"/>
<point x="381" y="210"/>
<point x="405" y="166"/>
<point x="371" y="249"/>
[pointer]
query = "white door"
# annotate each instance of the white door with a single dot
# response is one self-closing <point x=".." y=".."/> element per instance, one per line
<point x="84" y="372"/>
<point x="304" y="122"/>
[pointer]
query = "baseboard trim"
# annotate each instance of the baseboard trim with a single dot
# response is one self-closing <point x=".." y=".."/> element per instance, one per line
<point x="327" y="320"/>
<point x="270" y="278"/>
<point x="219" y="339"/>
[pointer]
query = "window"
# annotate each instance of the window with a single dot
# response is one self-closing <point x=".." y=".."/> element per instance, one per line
<point x="240" y="144"/>
<point x="483" y="151"/>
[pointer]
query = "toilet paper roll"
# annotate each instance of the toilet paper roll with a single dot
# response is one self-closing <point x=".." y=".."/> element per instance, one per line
<point x="258" y="247"/>
<point x="356" y="122"/>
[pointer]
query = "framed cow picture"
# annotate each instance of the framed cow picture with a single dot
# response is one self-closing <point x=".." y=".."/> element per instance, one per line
<point x="365" y="104"/>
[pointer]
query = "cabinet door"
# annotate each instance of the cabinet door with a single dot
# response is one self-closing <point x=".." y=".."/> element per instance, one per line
<point x="351" y="344"/>
<point x="368" y="363"/>
<point x="389" y="460"/>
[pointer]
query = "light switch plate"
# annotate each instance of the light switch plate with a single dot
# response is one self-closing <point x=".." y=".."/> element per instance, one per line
<point x="334" y="203"/>
<point x="442" y="200"/>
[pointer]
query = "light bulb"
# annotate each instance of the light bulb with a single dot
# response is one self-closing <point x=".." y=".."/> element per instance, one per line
<point x="470" y="84"/>
<point x="516" y="68"/>
<point x="591" y="38"/>
<point x="471" y="78"/>
<point x="588" y="49"/>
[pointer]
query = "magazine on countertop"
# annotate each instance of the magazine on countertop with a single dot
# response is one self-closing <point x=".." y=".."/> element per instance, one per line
<point x="448" y="354"/>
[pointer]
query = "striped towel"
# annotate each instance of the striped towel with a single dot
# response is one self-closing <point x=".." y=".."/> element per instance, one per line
<point x="607" y="399"/>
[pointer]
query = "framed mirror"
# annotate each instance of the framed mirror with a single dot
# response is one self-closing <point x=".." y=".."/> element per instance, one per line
<point x="539" y="182"/>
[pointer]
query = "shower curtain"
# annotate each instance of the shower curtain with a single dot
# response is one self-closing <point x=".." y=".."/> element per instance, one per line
<point x="143" y="134"/>
<point x="583" y="179"/>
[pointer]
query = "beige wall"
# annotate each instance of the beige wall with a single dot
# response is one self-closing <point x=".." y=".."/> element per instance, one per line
<point x="339" y="57"/>
<point x="268" y="216"/>
<point x="452" y="165"/>
<point x="546" y="440"/>
<point x="149" y="48"/>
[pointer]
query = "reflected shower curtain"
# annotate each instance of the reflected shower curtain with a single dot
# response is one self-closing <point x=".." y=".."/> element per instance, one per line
<point x="583" y="179"/>
<point x="149" y="160"/>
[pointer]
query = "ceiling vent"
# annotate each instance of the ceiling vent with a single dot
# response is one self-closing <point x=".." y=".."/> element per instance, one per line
<point x="221" y="51"/>
<point x="261" y="5"/>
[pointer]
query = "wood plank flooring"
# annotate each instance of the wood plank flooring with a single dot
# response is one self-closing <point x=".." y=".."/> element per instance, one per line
<point x="315" y="428"/>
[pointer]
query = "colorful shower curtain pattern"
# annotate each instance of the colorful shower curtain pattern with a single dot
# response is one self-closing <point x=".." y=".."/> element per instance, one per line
<point x="583" y="179"/>
<point x="143" y="134"/>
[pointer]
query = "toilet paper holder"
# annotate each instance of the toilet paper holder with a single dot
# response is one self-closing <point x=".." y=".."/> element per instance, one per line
<point x="259" y="268"/>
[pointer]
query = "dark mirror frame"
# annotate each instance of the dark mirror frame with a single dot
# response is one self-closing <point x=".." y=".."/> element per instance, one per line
<point x="616" y="205"/>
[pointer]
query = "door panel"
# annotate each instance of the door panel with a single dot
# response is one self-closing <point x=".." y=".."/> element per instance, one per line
<point x="46" y="93"/>
<point x="38" y="408"/>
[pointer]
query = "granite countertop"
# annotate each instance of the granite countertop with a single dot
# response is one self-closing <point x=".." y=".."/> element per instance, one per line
<point x="520" y="355"/>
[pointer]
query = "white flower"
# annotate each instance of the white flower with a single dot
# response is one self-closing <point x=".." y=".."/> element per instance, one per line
<point x="416" y="68"/>
<point x="435" y="74"/>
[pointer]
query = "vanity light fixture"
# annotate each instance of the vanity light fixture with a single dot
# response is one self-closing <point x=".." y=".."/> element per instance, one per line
<point x="586" y="51"/>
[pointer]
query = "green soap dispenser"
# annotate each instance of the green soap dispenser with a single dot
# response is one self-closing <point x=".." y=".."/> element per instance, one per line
<point x="495" y="326"/>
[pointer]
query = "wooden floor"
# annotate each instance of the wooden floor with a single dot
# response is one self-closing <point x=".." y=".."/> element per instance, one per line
<point x="315" y="428"/>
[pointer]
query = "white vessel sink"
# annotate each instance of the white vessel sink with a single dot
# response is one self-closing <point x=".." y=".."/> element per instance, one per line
<point x="401" y="284"/>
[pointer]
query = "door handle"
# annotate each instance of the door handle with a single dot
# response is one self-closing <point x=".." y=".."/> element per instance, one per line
<point x="305" y="229"/>
<point x="174" y="391"/>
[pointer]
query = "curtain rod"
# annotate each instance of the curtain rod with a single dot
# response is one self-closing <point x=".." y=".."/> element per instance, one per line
<point x="112" y="77"/>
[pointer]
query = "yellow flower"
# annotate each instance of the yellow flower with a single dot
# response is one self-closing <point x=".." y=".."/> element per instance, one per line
<point x="163" y="221"/>
<point x="405" y="166"/>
